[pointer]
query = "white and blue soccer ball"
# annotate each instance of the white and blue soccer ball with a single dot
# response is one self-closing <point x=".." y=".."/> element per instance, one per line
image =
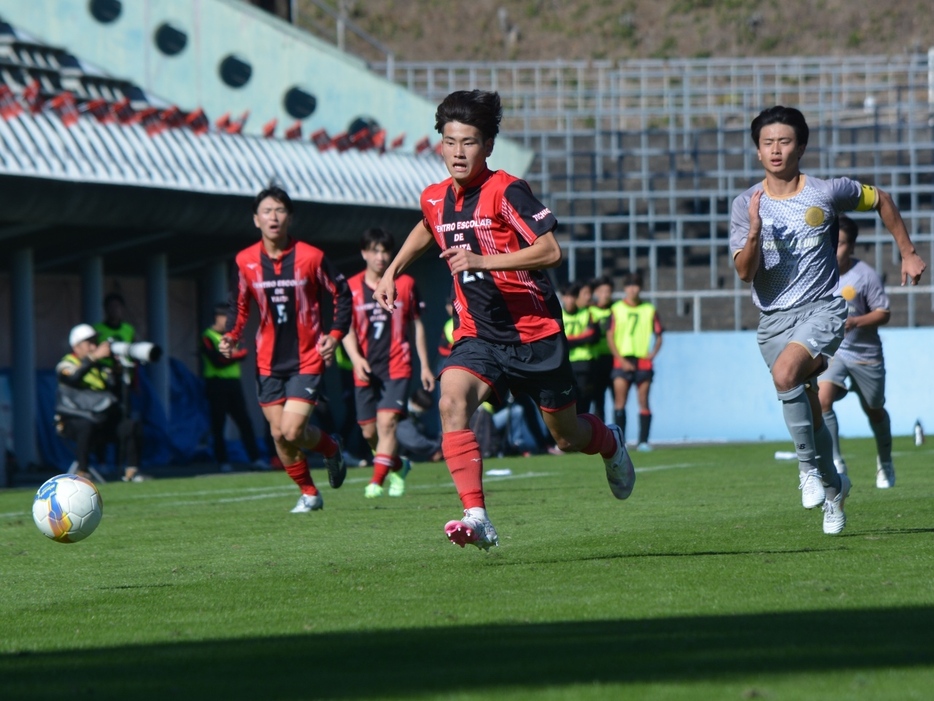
<point x="67" y="508"/>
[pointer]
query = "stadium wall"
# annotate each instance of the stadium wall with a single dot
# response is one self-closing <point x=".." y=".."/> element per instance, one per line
<point x="714" y="386"/>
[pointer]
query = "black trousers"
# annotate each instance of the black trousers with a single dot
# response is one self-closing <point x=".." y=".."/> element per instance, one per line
<point x="225" y="397"/>
<point x="88" y="436"/>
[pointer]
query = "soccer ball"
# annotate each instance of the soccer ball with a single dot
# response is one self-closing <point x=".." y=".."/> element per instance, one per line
<point x="67" y="508"/>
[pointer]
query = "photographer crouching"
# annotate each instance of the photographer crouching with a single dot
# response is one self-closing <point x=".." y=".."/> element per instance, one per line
<point x="88" y="408"/>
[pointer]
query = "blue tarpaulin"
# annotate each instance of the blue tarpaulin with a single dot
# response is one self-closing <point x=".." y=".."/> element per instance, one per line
<point x="184" y="439"/>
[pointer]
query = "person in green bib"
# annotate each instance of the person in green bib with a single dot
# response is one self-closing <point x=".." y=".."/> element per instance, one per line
<point x="224" y="392"/>
<point x="114" y="327"/>
<point x="582" y="334"/>
<point x="634" y="338"/>
<point x="602" y="362"/>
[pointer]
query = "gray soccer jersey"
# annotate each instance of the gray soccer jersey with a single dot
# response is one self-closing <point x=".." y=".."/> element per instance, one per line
<point x="799" y="240"/>
<point x="862" y="289"/>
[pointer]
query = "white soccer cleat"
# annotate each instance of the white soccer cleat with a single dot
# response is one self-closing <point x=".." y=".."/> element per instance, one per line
<point x="308" y="502"/>
<point x="620" y="472"/>
<point x="834" y="518"/>
<point x="472" y="531"/>
<point x="812" y="489"/>
<point x="885" y="474"/>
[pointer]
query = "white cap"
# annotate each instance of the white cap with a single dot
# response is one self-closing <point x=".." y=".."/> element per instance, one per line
<point x="82" y="332"/>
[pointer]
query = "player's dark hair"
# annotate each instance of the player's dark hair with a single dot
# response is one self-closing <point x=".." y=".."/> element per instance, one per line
<point x="572" y="289"/>
<point x="276" y="193"/>
<point x="633" y="278"/>
<point x="221" y="308"/>
<point x="850" y="227"/>
<point x="477" y="108"/>
<point x="781" y="115"/>
<point x="602" y="280"/>
<point x="377" y="237"/>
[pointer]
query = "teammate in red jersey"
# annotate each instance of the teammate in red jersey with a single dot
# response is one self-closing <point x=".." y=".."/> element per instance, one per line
<point x="497" y="239"/>
<point x="286" y="278"/>
<point x="381" y="352"/>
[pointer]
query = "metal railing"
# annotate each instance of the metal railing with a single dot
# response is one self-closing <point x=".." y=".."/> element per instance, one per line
<point x="640" y="160"/>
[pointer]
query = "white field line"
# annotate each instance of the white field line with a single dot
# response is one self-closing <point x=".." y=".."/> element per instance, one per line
<point x="256" y="493"/>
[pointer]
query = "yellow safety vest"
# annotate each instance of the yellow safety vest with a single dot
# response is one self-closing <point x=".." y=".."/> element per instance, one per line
<point x="93" y="378"/>
<point x="633" y="328"/>
<point x="574" y="325"/>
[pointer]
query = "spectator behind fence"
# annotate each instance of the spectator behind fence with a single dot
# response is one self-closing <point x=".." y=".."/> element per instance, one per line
<point x="88" y="409"/>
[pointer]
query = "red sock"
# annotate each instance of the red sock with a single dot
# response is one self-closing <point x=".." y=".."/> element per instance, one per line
<point x="396" y="464"/>
<point x="302" y="476"/>
<point x="601" y="438"/>
<point x="465" y="463"/>
<point x="326" y="445"/>
<point x="381" y="465"/>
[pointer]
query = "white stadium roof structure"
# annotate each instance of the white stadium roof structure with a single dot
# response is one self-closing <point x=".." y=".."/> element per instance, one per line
<point x="90" y="163"/>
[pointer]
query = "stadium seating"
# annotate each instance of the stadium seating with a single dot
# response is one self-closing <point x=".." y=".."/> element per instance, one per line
<point x="640" y="160"/>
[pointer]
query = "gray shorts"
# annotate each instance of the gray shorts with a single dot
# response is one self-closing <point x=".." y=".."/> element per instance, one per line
<point x="817" y="327"/>
<point x="866" y="379"/>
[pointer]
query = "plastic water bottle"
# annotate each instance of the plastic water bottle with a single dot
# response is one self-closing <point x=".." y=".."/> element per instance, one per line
<point x="919" y="433"/>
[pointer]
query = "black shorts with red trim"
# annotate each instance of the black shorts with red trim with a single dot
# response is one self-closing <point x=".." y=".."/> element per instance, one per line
<point x="643" y="372"/>
<point x="381" y="395"/>
<point x="275" y="389"/>
<point x="541" y="369"/>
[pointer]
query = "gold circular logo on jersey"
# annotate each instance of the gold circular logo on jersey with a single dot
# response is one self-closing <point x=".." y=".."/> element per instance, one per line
<point x="814" y="216"/>
<point x="848" y="293"/>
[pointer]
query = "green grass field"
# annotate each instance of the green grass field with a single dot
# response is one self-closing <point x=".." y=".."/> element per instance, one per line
<point x="710" y="582"/>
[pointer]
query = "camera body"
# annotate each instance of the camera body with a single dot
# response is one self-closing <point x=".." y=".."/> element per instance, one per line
<point x="141" y="351"/>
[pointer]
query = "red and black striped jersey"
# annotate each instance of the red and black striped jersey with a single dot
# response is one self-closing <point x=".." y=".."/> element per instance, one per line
<point x="383" y="338"/>
<point x="288" y="293"/>
<point x="496" y="213"/>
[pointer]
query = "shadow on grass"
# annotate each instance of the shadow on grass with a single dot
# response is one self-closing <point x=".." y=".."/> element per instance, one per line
<point x="409" y="663"/>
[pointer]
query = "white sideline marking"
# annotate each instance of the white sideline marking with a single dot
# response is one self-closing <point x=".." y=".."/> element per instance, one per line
<point x="283" y="490"/>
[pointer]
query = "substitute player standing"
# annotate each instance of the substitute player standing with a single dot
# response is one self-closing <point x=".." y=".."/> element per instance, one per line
<point x="859" y="356"/>
<point x="634" y="338"/>
<point x="286" y="279"/>
<point x="783" y="235"/>
<point x="497" y="238"/>
<point x="380" y="349"/>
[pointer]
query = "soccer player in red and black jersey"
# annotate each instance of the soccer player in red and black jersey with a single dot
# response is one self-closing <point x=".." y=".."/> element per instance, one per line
<point x="497" y="239"/>
<point x="380" y="349"/>
<point x="286" y="279"/>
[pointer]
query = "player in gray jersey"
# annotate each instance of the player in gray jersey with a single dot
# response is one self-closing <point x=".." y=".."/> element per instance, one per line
<point x="859" y="356"/>
<point x="783" y="237"/>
